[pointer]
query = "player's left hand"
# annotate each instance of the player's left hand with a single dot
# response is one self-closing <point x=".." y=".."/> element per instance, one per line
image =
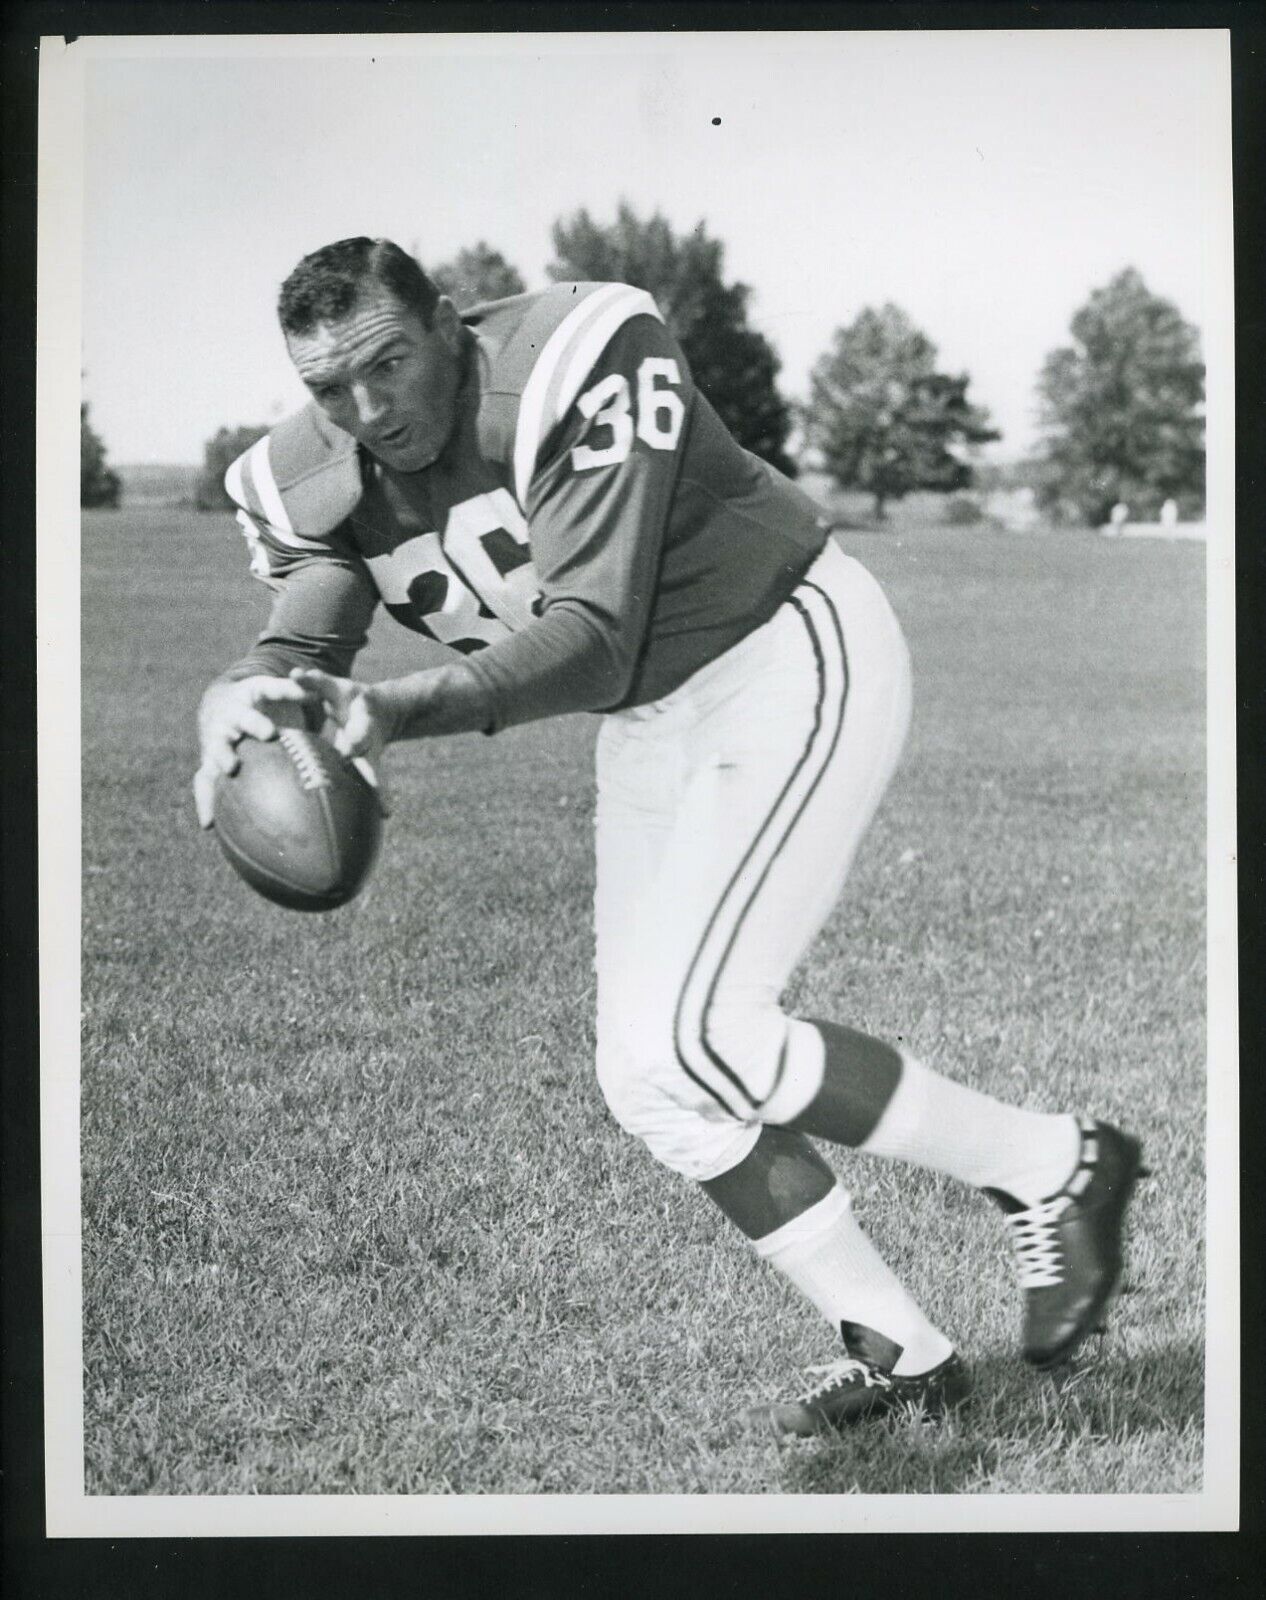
<point x="363" y="727"/>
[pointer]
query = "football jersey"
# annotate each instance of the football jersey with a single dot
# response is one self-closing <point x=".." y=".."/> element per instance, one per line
<point x="590" y="536"/>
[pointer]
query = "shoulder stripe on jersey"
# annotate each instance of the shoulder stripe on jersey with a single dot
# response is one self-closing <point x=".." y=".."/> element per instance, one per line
<point x="266" y="487"/>
<point x="233" y="484"/>
<point x="531" y="425"/>
<point x="594" y="340"/>
<point x="609" y="306"/>
<point x="252" y="487"/>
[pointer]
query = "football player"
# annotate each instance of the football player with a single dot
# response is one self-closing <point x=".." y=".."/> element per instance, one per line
<point x="538" y="484"/>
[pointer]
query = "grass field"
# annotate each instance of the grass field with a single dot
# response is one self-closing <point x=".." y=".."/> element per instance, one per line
<point x="355" y="1216"/>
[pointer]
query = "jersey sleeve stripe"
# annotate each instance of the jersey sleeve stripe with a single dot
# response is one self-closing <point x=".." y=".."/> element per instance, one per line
<point x="266" y="487"/>
<point x="234" y="487"/>
<point x="594" y="340"/>
<point x="251" y="486"/>
<point x="536" y="415"/>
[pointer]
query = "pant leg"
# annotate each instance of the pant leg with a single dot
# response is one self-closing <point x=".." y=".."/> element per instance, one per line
<point x="780" y="752"/>
<point x="643" y="769"/>
<point x="730" y="1032"/>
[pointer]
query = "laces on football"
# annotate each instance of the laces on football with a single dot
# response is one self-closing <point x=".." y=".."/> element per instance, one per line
<point x="1035" y="1241"/>
<point x="302" y="750"/>
<point x="847" y="1369"/>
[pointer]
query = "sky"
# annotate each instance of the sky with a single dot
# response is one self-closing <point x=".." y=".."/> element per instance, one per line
<point x="985" y="182"/>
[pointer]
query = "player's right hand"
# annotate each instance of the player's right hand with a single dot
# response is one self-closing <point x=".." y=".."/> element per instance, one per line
<point x="251" y="708"/>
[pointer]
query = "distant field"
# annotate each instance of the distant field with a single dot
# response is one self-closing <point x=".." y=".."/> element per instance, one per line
<point x="151" y="484"/>
<point x="356" y="1218"/>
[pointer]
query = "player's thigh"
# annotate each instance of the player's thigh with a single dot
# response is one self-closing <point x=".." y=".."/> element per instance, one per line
<point x="779" y="753"/>
<point x="794" y="763"/>
<point x="638" y="788"/>
<point x="843" y="698"/>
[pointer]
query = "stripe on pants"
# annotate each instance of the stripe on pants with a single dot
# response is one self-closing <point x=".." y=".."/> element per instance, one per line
<point x="698" y="1058"/>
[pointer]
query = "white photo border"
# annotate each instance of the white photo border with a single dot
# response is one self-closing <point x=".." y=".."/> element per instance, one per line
<point x="71" y="1513"/>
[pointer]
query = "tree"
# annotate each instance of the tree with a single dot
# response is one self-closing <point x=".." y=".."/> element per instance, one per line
<point x="219" y="454"/>
<point x="98" y="485"/>
<point x="1122" y="407"/>
<point x="732" y="364"/>
<point x="475" y="275"/>
<point x="884" y="419"/>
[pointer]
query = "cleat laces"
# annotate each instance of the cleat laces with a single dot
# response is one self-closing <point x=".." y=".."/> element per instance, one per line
<point x="1035" y="1241"/>
<point x="847" y="1369"/>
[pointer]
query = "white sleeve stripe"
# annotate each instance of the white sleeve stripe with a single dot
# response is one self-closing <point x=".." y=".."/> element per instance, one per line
<point x="233" y="483"/>
<point x="266" y="488"/>
<point x="533" y="408"/>
<point x="594" y="340"/>
<point x="245" y="486"/>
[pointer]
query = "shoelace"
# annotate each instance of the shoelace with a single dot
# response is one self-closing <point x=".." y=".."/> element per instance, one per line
<point x="1036" y="1243"/>
<point x="834" y="1373"/>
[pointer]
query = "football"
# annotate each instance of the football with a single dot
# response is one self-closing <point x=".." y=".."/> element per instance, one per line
<point x="298" y="821"/>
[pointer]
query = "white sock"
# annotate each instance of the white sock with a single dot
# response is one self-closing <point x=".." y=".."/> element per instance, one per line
<point x="934" y="1122"/>
<point x="831" y="1261"/>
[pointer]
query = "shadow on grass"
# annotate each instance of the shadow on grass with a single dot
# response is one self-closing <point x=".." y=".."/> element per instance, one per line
<point x="1108" y="1400"/>
<point x="1115" y="1393"/>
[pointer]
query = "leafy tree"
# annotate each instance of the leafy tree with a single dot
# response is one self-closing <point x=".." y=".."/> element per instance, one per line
<point x="475" y="275"/>
<point x="98" y="485"/>
<point x="1122" y="407"/>
<point x="219" y="454"/>
<point x="884" y="419"/>
<point x="733" y="365"/>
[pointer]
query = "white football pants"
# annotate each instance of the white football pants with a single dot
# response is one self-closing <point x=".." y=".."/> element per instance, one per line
<point x="728" y="817"/>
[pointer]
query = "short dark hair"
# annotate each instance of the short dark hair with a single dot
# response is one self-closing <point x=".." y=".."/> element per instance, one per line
<point x="325" y="284"/>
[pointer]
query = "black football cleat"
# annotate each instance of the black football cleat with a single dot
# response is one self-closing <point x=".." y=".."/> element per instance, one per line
<point x="862" y="1386"/>
<point x="1069" y="1250"/>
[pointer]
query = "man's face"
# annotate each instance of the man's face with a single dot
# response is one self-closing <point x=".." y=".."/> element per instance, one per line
<point x="383" y="376"/>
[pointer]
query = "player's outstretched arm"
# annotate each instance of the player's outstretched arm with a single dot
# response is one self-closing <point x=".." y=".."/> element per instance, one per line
<point x="448" y="699"/>
<point x="233" y="710"/>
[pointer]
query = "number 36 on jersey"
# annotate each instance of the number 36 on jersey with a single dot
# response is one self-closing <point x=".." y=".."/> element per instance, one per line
<point x="654" y="413"/>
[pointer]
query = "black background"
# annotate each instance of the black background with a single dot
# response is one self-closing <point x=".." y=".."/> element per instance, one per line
<point x="1066" y="1566"/>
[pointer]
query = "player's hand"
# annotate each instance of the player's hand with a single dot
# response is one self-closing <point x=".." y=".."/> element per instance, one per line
<point x="251" y="708"/>
<point x="363" y="725"/>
